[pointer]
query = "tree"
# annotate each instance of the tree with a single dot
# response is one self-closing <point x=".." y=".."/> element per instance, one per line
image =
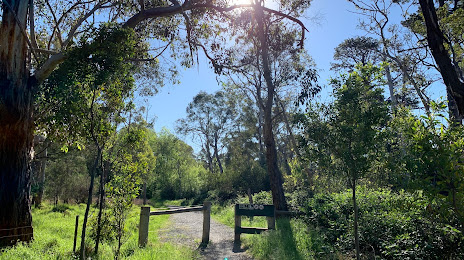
<point x="208" y="118"/>
<point x="405" y="64"/>
<point x="174" y="165"/>
<point x="268" y="56"/>
<point x="444" y="53"/>
<point x="27" y="58"/>
<point x="353" y="51"/>
<point x="351" y="131"/>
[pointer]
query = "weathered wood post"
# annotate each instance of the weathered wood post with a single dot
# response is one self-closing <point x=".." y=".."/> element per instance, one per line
<point x="143" y="225"/>
<point x="238" y="226"/>
<point x="75" y="233"/>
<point x="206" y="222"/>
<point x="271" y="222"/>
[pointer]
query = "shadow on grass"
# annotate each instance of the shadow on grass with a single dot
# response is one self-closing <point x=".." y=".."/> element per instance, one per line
<point x="288" y="242"/>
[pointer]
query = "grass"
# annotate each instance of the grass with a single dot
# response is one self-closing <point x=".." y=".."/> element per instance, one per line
<point x="54" y="234"/>
<point x="292" y="239"/>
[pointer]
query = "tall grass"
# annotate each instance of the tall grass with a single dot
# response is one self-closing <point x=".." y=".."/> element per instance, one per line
<point x="292" y="239"/>
<point x="54" y="234"/>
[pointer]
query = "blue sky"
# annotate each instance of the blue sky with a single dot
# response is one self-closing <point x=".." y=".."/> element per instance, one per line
<point x="334" y="24"/>
<point x="330" y="22"/>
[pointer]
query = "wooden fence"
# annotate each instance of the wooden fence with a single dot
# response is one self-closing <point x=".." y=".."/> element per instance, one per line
<point x="145" y="219"/>
<point x="267" y="211"/>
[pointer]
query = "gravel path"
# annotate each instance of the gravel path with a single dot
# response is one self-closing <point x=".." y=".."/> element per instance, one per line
<point x="186" y="229"/>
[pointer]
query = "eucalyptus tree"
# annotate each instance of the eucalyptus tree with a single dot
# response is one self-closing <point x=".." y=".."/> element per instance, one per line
<point x="405" y="64"/>
<point x="209" y="116"/>
<point x="442" y="28"/>
<point x="36" y="38"/>
<point x="358" y="50"/>
<point x="268" y="57"/>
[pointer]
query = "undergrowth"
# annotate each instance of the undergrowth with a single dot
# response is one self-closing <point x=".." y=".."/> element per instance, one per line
<point x="54" y="236"/>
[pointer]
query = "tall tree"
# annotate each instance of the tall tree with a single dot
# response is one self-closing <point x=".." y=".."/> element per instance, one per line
<point x="351" y="130"/>
<point x="444" y="53"/>
<point x="27" y="58"/>
<point x="208" y="118"/>
<point x="405" y="63"/>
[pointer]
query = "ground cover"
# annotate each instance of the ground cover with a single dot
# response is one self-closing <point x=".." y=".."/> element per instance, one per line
<point x="54" y="232"/>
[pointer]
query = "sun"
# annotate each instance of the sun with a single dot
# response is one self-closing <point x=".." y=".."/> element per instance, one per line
<point x="240" y="2"/>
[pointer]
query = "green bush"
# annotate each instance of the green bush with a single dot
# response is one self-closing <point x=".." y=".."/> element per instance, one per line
<point x="60" y="208"/>
<point x="391" y="225"/>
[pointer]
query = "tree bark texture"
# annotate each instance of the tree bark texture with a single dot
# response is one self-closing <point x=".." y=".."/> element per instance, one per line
<point x="436" y="42"/>
<point x="16" y="126"/>
<point x="275" y="176"/>
<point x="144" y="192"/>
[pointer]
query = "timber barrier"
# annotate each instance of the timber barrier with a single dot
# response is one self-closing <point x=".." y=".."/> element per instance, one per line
<point x="145" y="220"/>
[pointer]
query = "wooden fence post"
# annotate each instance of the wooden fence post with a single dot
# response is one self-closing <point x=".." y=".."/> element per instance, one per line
<point x="238" y="225"/>
<point x="271" y="222"/>
<point x="206" y="222"/>
<point x="143" y="225"/>
<point x="75" y="233"/>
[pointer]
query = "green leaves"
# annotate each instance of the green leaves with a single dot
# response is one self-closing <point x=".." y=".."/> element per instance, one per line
<point x="90" y="87"/>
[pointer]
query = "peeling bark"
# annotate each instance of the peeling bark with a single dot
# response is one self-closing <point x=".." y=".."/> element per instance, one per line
<point x="16" y="126"/>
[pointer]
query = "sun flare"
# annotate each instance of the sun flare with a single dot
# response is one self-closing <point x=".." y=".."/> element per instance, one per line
<point x="240" y="2"/>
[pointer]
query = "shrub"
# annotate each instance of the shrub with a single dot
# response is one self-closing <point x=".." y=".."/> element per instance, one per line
<point x="60" y="208"/>
<point x="393" y="225"/>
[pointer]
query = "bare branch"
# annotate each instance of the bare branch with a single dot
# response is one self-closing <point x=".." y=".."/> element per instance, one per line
<point x="32" y="24"/>
<point x="56" y="28"/>
<point x="47" y="68"/>
<point x="79" y="23"/>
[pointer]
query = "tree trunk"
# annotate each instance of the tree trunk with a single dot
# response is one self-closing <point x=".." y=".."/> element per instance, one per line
<point x="101" y="205"/>
<point x="16" y="127"/>
<point x="436" y="41"/>
<point x="453" y="112"/>
<point x="356" y="232"/>
<point x="391" y="87"/>
<point x="89" y="202"/>
<point x="216" y="153"/>
<point x="275" y="176"/>
<point x="40" y="192"/>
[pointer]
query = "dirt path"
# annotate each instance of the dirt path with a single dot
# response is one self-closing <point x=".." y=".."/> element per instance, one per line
<point x="186" y="229"/>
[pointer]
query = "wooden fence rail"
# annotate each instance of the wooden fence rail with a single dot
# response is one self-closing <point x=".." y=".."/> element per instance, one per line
<point x="145" y="220"/>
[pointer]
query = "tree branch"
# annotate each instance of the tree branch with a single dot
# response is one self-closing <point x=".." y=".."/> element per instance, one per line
<point x="47" y="68"/>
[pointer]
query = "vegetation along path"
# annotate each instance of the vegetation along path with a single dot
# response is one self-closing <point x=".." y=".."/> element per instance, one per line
<point x="186" y="229"/>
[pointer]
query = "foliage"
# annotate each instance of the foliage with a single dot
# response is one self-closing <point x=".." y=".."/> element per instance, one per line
<point x="177" y="174"/>
<point x="82" y="96"/>
<point x="393" y="225"/>
<point x="128" y="164"/>
<point x="54" y="233"/>
<point x="60" y="208"/>
<point x="67" y="175"/>
<point x="343" y="137"/>
<point x="425" y="154"/>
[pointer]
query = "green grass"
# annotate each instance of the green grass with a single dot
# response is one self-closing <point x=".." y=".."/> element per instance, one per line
<point x="292" y="239"/>
<point x="226" y="215"/>
<point x="54" y="234"/>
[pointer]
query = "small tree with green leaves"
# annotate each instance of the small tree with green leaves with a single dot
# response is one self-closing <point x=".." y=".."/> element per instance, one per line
<point x="351" y="130"/>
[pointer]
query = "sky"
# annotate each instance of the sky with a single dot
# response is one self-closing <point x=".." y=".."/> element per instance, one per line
<point x="330" y="22"/>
